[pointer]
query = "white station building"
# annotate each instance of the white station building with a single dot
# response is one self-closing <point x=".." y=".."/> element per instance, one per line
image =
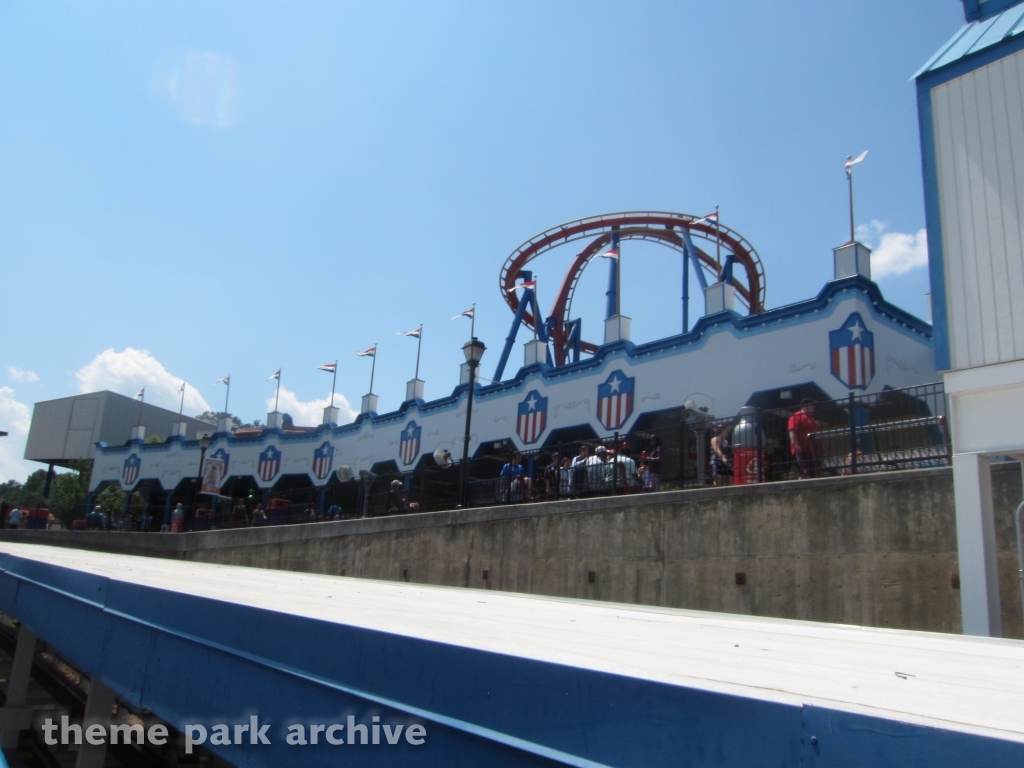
<point x="848" y="338"/>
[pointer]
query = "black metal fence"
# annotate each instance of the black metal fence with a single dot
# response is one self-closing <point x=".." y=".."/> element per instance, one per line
<point x="891" y="430"/>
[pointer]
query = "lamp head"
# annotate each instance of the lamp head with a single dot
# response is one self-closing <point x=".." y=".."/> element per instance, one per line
<point x="204" y="442"/>
<point x="473" y="350"/>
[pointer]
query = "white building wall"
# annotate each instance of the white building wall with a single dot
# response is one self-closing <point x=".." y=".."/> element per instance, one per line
<point x="979" y="146"/>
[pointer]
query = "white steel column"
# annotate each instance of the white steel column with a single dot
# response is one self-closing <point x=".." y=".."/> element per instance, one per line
<point x="976" y="545"/>
<point x="15" y="716"/>
<point x="97" y="711"/>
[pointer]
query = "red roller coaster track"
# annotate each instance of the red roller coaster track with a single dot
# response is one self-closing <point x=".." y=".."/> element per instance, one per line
<point x="655" y="226"/>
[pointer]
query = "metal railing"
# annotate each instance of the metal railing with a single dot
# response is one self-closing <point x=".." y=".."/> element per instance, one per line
<point x="889" y="430"/>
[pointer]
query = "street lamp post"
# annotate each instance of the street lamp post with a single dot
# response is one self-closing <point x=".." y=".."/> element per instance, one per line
<point x="474" y="351"/>
<point x="204" y="443"/>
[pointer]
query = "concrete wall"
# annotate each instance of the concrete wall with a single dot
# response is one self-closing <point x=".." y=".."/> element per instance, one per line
<point x="877" y="550"/>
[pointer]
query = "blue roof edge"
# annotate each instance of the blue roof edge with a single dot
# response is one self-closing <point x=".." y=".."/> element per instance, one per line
<point x="971" y="34"/>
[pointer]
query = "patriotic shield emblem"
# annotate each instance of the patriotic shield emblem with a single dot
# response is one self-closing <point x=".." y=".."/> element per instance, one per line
<point x="532" y="417"/>
<point x="615" y="400"/>
<point x="409" y="446"/>
<point x="853" y="353"/>
<point x="131" y="469"/>
<point x="323" y="458"/>
<point x="270" y="463"/>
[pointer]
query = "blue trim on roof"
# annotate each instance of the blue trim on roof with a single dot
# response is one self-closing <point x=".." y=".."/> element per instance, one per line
<point x="933" y="224"/>
<point x="977" y="37"/>
<point x="979" y="10"/>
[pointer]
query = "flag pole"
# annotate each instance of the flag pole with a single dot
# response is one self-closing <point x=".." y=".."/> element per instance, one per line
<point x="142" y="399"/>
<point x="472" y="323"/>
<point x="373" y="366"/>
<point x="718" y="239"/>
<point x="618" y="279"/>
<point x="536" y="308"/>
<point x="277" y="395"/>
<point x="334" y="381"/>
<point x="228" y="383"/>
<point x="181" y="408"/>
<point x="849" y="178"/>
<point x="419" y="345"/>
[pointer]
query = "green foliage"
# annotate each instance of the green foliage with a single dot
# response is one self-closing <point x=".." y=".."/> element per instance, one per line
<point x="69" y="491"/>
<point x="111" y="500"/>
<point x="151" y="439"/>
<point x="138" y="505"/>
<point x="211" y="417"/>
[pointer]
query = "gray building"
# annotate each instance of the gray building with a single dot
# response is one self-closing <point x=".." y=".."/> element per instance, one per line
<point x="970" y="98"/>
<point x="69" y="428"/>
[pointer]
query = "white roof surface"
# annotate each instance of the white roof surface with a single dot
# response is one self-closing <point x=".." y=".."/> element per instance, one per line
<point x="961" y="683"/>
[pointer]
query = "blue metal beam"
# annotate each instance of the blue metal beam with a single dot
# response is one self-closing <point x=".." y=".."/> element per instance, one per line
<point x="527" y="301"/>
<point x="691" y="252"/>
<point x="611" y="295"/>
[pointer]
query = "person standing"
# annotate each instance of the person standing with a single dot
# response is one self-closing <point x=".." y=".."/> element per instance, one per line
<point x="802" y="428"/>
<point x="653" y="482"/>
<point x="259" y="517"/>
<point x="514" y="479"/>
<point x="565" y="484"/>
<point x="721" y="457"/>
<point x="241" y="514"/>
<point x="15" y="519"/>
<point x="599" y="471"/>
<point x="627" y="476"/>
<point x="551" y="478"/>
<point x="580" y="472"/>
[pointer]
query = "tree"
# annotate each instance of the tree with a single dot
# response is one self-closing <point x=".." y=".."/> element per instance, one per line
<point x="69" y="491"/>
<point x="111" y="500"/>
<point x="27" y="494"/>
<point x="211" y="417"/>
<point x="151" y="439"/>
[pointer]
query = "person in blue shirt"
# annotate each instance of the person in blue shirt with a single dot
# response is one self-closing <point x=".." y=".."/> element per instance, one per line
<point x="514" y="479"/>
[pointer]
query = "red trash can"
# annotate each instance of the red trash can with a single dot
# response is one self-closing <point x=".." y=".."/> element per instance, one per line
<point x="746" y="456"/>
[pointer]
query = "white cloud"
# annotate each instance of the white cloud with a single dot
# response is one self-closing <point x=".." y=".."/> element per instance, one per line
<point x="14" y="419"/>
<point x="17" y="374"/>
<point x="311" y="413"/>
<point x="127" y="372"/>
<point x="202" y="87"/>
<point x="894" y="253"/>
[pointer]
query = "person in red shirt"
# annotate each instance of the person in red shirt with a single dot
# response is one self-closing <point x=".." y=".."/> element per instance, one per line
<point x="802" y="425"/>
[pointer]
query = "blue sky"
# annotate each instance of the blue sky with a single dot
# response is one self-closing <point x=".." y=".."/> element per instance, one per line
<point x="189" y="190"/>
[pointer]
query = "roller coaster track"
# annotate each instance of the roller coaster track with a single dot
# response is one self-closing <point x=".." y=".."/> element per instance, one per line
<point x="653" y="226"/>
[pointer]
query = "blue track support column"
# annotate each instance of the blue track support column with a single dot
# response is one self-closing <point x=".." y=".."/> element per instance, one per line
<point x="266" y="500"/>
<point x="691" y="251"/>
<point x="612" y="305"/>
<point x="574" y="338"/>
<point x="686" y="290"/>
<point x="525" y="301"/>
<point x="167" y="512"/>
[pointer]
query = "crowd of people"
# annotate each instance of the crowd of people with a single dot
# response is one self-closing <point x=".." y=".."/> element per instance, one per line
<point x="604" y="471"/>
<point x="600" y="470"/>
